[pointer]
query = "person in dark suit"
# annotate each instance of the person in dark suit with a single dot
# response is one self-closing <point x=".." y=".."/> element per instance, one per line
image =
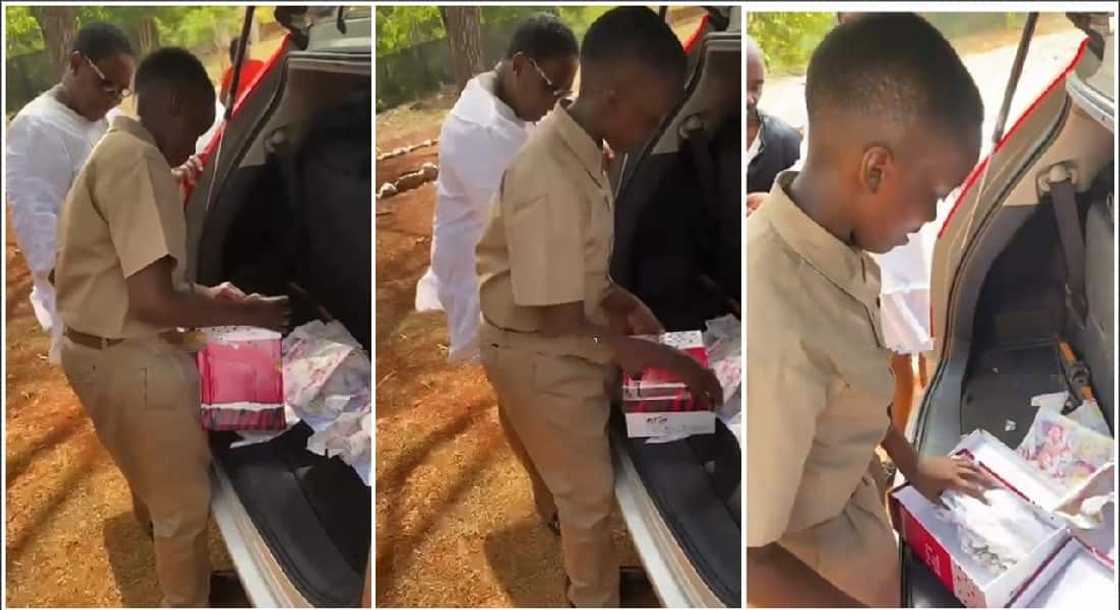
<point x="772" y="145"/>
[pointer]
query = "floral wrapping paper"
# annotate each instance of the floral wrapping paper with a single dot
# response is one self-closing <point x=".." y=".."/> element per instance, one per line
<point x="1064" y="450"/>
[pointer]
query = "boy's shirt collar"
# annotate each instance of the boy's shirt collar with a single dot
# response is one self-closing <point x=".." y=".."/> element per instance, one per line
<point x="585" y="149"/>
<point x="849" y="268"/>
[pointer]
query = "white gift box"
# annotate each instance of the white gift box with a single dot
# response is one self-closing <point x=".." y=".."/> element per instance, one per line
<point x="1051" y="568"/>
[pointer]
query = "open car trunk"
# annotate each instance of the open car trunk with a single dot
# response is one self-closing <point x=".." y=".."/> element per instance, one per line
<point x="1004" y="276"/>
<point x="678" y="248"/>
<point x="290" y="202"/>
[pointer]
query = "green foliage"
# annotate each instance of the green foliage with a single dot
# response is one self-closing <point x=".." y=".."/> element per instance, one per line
<point x="787" y="40"/>
<point x="23" y="35"/>
<point x="400" y="27"/>
<point x="193" y="27"/>
<point x="186" y="26"/>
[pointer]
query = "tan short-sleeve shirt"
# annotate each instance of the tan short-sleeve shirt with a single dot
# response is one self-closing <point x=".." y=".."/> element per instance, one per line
<point x="550" y="233"/>
<point x="818" y="377"/>
<point x="123" y="213"/>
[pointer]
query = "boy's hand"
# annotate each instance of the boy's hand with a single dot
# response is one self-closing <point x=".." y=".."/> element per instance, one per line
<point x="226" y="291"/>
<point x="636" y="355"/>
<point x="702" y="383"/>
<point x="189" y="171"/>
<point x="938" y="474"/>
<point x="754" y="201"/>
<point x="268" y="312"/>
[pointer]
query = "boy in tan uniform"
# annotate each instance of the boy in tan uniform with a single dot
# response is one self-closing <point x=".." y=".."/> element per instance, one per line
<point x="122" y="292"/>
<point x="553" y="322"/>
<point x="894" y="126"/>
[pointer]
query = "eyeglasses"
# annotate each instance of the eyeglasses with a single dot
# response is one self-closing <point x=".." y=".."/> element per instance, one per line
<point x="107" y="85"/>
<point x="553" y="90"/>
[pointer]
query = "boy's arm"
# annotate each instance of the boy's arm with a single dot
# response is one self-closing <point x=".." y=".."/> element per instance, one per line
<point x="775" y="578"/>
<point x="153" y="299"/>
<point x="633" y="355"/>
<point x="632" y="314"/>
<point x="932" y="475"/>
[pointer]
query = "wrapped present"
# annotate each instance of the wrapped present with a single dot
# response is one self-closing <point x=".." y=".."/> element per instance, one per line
<point x="241" y="380"/>
<point x="657" y="403"/>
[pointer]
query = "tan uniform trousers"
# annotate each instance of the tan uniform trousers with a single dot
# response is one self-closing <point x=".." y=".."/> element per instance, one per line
<point x="857" y="550"/>
<point x="143" y="398"/>
<point x="554" y="410"/>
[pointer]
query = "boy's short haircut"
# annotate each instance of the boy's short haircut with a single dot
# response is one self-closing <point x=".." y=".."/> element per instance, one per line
<point x="97" y="40"/>
<point x="543" y="36"/>
<point x="893" y="66"/>
<point x="175" y="67"/>
<point x="634" y="33"/>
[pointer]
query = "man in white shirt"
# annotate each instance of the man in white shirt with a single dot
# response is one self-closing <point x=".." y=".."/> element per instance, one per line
<point x="47" y="144"/>
<point x="487" y="126"/>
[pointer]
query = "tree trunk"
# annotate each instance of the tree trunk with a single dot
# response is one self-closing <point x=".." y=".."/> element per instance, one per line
<point x="147" y="34"/>
<point x="59" y="26"/>
<point x="464" y="36"/>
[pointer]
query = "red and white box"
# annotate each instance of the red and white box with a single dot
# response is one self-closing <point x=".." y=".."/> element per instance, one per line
<point x="658" y="403"/>
<point x="1044" y="572"/>
<point x="241" y="379"/>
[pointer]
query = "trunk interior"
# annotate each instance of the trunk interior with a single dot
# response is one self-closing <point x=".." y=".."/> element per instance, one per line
<point x="297" y="209"/>
<point x="1022" y="313"/>
<point x="677" y="247"/>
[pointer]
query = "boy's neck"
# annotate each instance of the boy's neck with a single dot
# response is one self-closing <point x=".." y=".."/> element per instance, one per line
<point x="584" y="116"/>
<point x="815" y="194"/>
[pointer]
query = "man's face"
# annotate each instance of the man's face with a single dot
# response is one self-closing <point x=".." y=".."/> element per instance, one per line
<point x="756" y="78"/>
<point x="98" y="86"/>
<point x="637" y="108"/>
<point x="900" y="191"/>
<point x="540" y="84"/>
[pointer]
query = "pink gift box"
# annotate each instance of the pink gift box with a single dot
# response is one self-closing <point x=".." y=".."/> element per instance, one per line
<point x="241" y="380"/>
<point x="658" y="403"/>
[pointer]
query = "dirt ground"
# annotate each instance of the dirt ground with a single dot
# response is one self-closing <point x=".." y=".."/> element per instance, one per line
<point x="69" y="533"/>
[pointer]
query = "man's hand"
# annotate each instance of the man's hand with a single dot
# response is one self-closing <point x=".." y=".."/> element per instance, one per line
<point x="936" y="474"/>
<point x="189" y="172"/>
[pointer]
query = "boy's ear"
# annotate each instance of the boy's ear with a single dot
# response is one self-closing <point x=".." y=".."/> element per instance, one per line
<point x="74" y="61"/>
<point x="518" y="61"/>
<point x="874" y="165"/>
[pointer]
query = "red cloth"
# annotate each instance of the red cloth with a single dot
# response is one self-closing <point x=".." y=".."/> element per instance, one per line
<point x="249" y="71"/>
